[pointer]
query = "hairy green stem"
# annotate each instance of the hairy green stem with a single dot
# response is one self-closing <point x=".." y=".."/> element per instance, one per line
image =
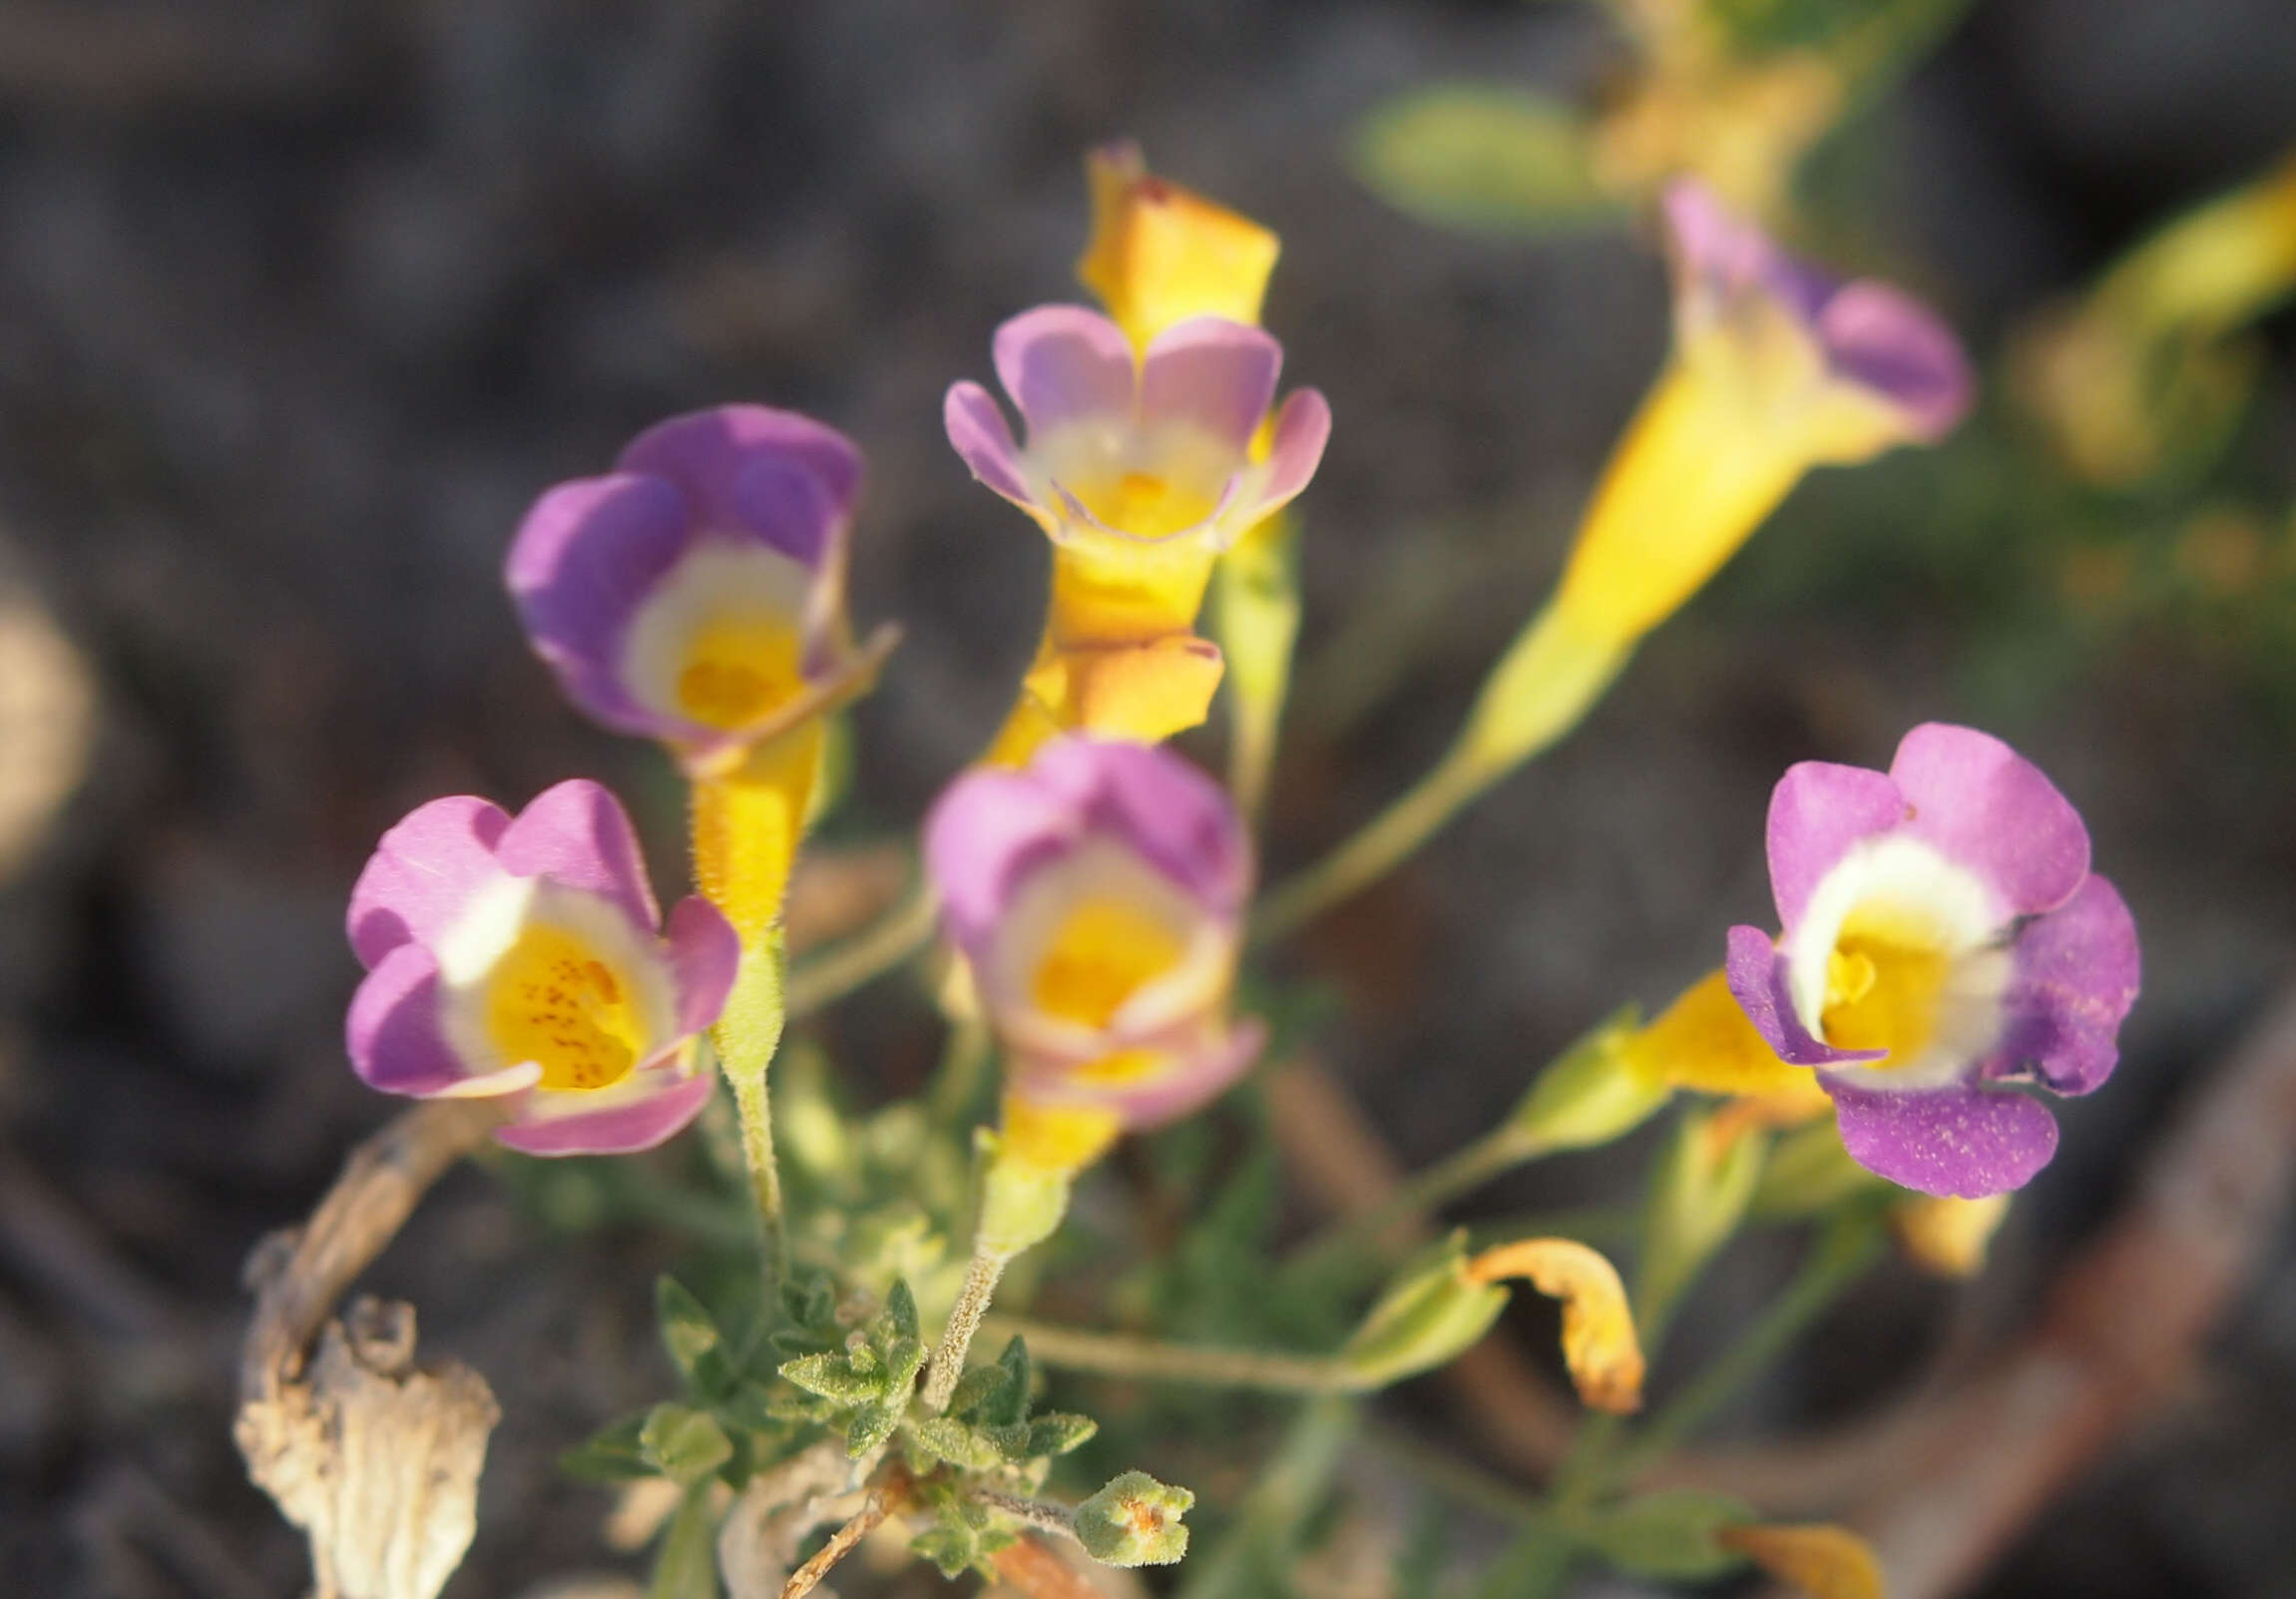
<point x="867" y="955"/>
<point x="1122" y="1354"/>
<point x="980" y="1287"/>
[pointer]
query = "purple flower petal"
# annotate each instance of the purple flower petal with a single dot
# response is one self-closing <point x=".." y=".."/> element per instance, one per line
<point x="1715" y="253"/>
<point x="422" y="873"/>
<point x="983" y="834"/>
<point x="1174" y="816"/>
<point x="1955" y="1143"/>
<point x="1817" y="812"/>
<point x="392" y="1030"/>
<point x="1988" y="808"/>
<point x="2077" y="972"/>
<point x="576" y="834"/>
<point x="584" y="558"/>
<point x="704" y="953"/>
<point x="1063" y="363"/>
<point x="1215" y="375"/>
<point x="1757" y="977"/>
<point x="1890" y="342"/>
<point x="618" y="1129"/>
<point x="981" y="436"/>
<point x="1302" y="428"/>
<point x="785" y="477"/>
<point x="1189" y="1080"/>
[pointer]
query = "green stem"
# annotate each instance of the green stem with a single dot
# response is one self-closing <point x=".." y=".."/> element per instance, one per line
<point x="965" y="1062"/>
<point x="1850" y="1246"/>
<point x="981" y="1279"/>
<point x="867" y="955"/>
<point x="1122" y="1354"/>
<point x="1534" y="1566"/>
<point x="1378" y="849"/>
<point x="747" y="1035"/>
<point x="1262" y="1543"/>
<point x="1471" y="1485"/>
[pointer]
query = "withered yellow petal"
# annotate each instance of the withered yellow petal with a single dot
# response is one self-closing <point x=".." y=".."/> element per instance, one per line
<point x="1823" y="1560"/>
<point x="1599" y="1342"/>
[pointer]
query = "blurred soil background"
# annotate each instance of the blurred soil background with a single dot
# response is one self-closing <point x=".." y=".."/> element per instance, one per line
<point x="303" y="301"/>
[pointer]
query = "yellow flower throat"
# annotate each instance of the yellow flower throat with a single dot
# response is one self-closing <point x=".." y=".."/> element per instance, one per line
<point x="738" y="670"/>
<point x="554" y="1001"/>
<point x="1884" y="988"/>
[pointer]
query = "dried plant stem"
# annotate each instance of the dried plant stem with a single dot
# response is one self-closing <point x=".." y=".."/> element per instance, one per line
<point x="299" y="1276"/>
<point x="1152" y="1359"/>
<point x="867" y="955"/>
<point x="980" y="1287"/>
<point x="808" y="1576"/>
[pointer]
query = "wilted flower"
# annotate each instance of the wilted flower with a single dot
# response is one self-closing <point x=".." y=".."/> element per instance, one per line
<point x="1142" y="469"/>
<point x="1161" y="253"/>
<point x="1778" y="367"/>
<point x="696" y="593"/>
<point x="525" y="958"/>
<point x="1944" y="937"/>
<point x="1098" y="896"/>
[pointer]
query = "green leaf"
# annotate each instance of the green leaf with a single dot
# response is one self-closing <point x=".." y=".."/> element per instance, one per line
<point x="809" y="1299"/>
<point x="612" y="1455"/>
<point x="1134" y="1521"/>
<point x="900" y="1316"/>
<point x="685" y="1445"/>
<point x="1670" y="1535"/>
<point x="688" y="1331"/>
<point x="872" y="1424"/>
<point x="1487" y="157"/>
<point x="685" y="1564"/>
<point x="836" y="1377"/>
<point x="959" y="1444"/>
<point x="1058" y="1433"/>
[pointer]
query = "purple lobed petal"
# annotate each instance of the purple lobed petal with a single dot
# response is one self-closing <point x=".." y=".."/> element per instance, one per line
<point x="1217" y="375"/>
<point x="705" y="953"/>
<point x="1302" y="428"/>
<point x="1174" y="816"/>
<point x="782" y="476"/>
<point x="1890" y="342"/>
<point x="981" y="838"/>
<point x="1818" y="812"/>
<point x="422" y="873"/>
<point x="1063" y="363"/>
<point x="1989" y="809"/>
<point x="392" y="1028"/>
<point x="983" y="439"/>
<point x="1955" y="1143"/>
<point x="576" y="834"/>
<point x="1756" y="972"/>
<point x="585" y="557"/>
<point x="2077" y="973"/>
<point x="618" y="1129"/>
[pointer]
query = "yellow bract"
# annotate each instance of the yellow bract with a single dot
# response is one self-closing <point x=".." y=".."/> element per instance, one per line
<point x="554" y="999"/>
<point x="1104" y="952"/>
<point x="738" y="670"/>
<point x="1599" y="1342"/>
<point x="1161" y="253"/>
<point x="1824" y="1561"/>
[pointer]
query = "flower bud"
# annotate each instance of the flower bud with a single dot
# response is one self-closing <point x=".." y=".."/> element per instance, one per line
<point x="1134" y="1521"/>
<point x="1591" y="1095"/>
<point x="1433" y="1312"/>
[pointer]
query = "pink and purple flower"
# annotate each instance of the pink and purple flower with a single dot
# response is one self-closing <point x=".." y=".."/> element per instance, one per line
<point x="696" y="593"/>
<point x="1157" y="450"/>
<point x="1099" y="896"/>
<point x="1945" y="943"/>
<point x="524" y="958"/>
<point x="1873" y="354"/>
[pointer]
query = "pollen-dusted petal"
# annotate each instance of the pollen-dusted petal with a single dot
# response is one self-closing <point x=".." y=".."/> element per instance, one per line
<point x="983" y="439"/>
<point x="1818" y="811"/>
<point x="1214" y="375"/>
<point x="586" y="556"/>
<point x="2078" y="970"/>
<point x="421" y="874"/>
<point x="392" y="1030"/>
<point x="705" y="953"/>
<point x="1064" y="364"/>
<point x="1598" y="1342"/>
<point x="1989" y="809"/>
<point x="1957" y="1143"/>
<point x="782" y="476"/>
<point x="1824" y="1561"/>
<point x="655" y="1106"/>
<point x="576" y="834"/>
<point x="1758" y="976"/>
<point x="1889" y="343"/>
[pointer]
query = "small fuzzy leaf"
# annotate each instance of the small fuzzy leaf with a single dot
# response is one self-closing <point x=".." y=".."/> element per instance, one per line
<point x="1009" y="1401"/>
<point x="1058" y="1433"/>
<point x="688" y="1331"/>
<point x="872" y="1424"/>
<point x="833" y="1377"/>
<point x="951" y="1549"/>
<point x="685" y="1445"/>
<point x="612" y="1455"/>
<point x="976" y="1389"/>
<point x="1134" y="1521"/>
<point x="959" y="1444"/>
<point x="900" y="1314"/>
<point x="1491" y="158"/>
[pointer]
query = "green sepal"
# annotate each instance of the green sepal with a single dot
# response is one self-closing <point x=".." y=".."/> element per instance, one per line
<point x="1430" y="1315"/>
<point x="1134" y="1521"/>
